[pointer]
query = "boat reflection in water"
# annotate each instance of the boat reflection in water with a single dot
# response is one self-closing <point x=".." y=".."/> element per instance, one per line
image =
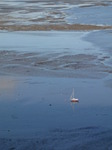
<point x="73" y="100"/>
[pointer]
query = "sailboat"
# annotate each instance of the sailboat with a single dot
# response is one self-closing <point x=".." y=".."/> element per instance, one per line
<point x="72" y="98"/>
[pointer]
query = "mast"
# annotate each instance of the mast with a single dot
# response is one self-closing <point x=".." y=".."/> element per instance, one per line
<point x="73" y="92"/>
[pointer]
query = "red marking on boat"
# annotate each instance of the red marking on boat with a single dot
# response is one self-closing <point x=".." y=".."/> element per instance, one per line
<point x="74" y="100"/>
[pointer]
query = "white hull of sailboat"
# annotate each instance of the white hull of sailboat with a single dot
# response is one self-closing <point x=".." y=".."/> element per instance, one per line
<point x="74" y="100"/>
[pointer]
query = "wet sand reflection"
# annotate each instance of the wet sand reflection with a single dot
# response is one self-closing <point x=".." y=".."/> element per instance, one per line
<point x="7" y="86"/>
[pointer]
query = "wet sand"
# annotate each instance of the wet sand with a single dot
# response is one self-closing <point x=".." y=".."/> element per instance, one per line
<point x="59" y="138"/>
<point x="34" y="64"/>
<point x="57" y="15"/>
<point x="55" y="58"/>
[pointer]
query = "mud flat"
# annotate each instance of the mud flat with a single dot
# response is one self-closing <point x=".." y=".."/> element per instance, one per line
<point x="57" y="15"/>
<point x="61" y="54"/>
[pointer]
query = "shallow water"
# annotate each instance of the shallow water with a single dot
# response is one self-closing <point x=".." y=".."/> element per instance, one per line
<point x="90" y="15"/>
<point x="41" y="41"/>
<point x="31" y="105"/>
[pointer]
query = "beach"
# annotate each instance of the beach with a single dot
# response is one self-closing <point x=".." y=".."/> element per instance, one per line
<point x="47" y="49"/>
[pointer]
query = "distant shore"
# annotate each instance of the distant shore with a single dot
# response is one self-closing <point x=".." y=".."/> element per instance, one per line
<point x="63" y="27"/>
<point x="49" y="15"/>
